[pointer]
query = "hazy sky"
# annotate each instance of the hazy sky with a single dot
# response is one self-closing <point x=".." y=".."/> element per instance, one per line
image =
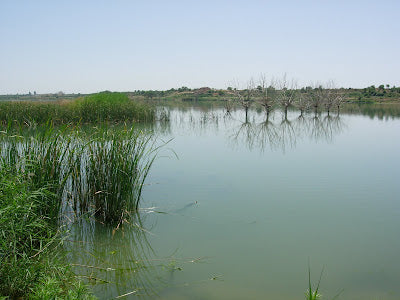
<point x="89" y="46"/>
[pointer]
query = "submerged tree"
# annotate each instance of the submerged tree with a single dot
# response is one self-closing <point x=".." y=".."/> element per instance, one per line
<point x="302" y="101"/>
<point x="245" y="97"/>
<point x="339" y="99"/>
<point x="287" y="93"/>
<point x="228" y="104"/>
<point x="329" y="98"/>
<point x="316" y="97"/>
<point x="267" y="94"/>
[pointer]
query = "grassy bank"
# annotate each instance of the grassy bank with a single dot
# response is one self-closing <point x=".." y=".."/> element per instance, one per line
<point x="101" y="107"/>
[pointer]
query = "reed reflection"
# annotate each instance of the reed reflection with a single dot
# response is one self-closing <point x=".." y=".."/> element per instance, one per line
<point x="118" y="261"/>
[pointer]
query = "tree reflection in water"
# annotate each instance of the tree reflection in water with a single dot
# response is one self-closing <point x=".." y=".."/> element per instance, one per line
<point x="284" y="134"/>
<point x="267" y="134"/>
<point x="276" y="130"/>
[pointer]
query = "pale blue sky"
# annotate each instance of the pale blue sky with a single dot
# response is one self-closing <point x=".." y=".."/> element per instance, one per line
<point x="89" y="46"/>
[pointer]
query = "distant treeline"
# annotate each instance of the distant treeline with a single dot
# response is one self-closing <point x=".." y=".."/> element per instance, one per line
<point x="369" y="94"/>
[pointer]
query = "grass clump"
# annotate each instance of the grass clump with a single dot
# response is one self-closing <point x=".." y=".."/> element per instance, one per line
<point x="313" y="294"/>
<point x="110" y="172"/>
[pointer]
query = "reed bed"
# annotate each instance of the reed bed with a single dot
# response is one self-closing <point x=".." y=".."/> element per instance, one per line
<point x="101" y="107"/>
<point x="52" y="173"/>
<point x="101" y="173"/>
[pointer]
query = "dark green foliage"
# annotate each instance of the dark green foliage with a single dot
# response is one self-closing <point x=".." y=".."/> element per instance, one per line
<point x="29" y="266"/>
<point x="24" y="232"/>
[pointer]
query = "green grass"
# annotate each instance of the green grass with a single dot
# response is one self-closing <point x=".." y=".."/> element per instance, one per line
<point x="313" y="293"/>
<point x="101" y="172"/>
<point x="101" y="107"/>
<point x="44" y="173"/>
<point x="108" y="106"/>
<point x="30" y="263"/>
<point x="110" y="172"/>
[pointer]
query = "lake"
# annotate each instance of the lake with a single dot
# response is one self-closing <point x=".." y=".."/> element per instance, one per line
<point x="243" y="210"/>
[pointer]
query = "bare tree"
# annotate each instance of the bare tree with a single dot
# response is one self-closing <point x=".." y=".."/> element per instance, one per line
<point x="329" y="96"/>
<point x="316" y="97"/>
<point x="287" y="93"/>
<point x="339" y="99"/>
<point x="246" y="96"/>
<point x="303" y="101"/>
<point x="267" y="93"/>
<point x="228" y="104"/>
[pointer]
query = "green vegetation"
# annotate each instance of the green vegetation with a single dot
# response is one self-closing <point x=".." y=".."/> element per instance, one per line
<point x="108" y="106"/>
<point x="101" y="171"/>
<point x="101" y="107"/>
<point x="383" y="93"/>
<point x="110" y="172"/>
<point x="313" y="294"/>
<point x="30" y="260"/>
<point x="379" y="92"/>
<point x="46" y="173"/>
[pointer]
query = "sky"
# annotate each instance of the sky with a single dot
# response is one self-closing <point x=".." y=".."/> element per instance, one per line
<point x="90" y="46"/>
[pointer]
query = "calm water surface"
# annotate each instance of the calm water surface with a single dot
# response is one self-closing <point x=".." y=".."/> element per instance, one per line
<point x="244" y="206"/>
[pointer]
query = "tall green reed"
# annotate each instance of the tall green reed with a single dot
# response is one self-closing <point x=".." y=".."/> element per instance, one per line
<point x="110" y="172"/>
<point x="43" y="158"/>
<point x="102" y="172"/>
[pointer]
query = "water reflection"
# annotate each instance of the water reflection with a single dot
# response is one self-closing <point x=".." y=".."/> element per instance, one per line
<point x="126" y="257"/>
<point x="117" y="261"/>
<point x="120" y="262"/>
<point x="277" y="131"/>
<point x="267" y="134"/>
<point x="284" y="134"/>
<point x="387" y="111"/>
